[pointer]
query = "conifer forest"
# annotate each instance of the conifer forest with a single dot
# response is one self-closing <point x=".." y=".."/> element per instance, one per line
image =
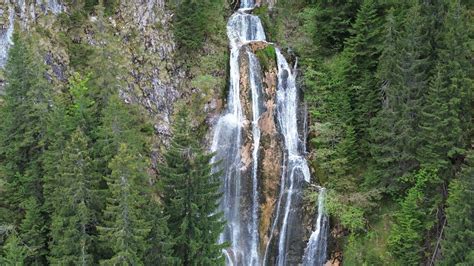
<point x="236" y="132"/>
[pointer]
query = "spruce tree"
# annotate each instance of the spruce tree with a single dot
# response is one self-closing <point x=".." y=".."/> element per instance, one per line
<point x="411" y="221"/>
<point x="125" y="228"/>
<point x="160" y="242"/>
<point x="121" y="123"/>
<point x="24" y="111"/>
<point x="33" y="232"/>
<point x="190" y="192"/>
<point x="362" y="50"/>
<point x="396" y="131"/>
<point x="459" y="232"/>
<point x="15" y="252"/>
<point x="74" y="217"/>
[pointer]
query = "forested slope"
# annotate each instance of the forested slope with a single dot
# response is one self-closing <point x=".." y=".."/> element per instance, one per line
<point x="390" y="92"/>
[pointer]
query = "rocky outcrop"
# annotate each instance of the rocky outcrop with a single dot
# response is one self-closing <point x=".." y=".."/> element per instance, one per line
<point x="271" y="146"/>
<point x="143" y="29"/>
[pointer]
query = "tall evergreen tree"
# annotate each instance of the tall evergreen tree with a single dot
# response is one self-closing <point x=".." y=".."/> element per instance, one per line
<point x="33" y="232"/>
<point x="24" y="111"/>
<point x="125" y="228"/>
<point x="190" y="195"/>
<point x="362" y="51"/>
<point x="122" y="123"/>
<point x="74" y="216"/>
<point x="404" y="72"/>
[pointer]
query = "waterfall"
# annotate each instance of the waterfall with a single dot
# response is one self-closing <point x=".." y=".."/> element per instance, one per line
<point x="315" y="253"/>
<point x="6" y="36"/>
<point x="240" y="201"/>
<point x="240" y="232"/>
<point x="296" y="168"/>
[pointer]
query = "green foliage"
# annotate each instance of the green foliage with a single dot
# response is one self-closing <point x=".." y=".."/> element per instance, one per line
<point x="195" y="21"/>
<point x="349" y="216"/>
<point x="395" y="133"/>
<point x="370" y="248"/>
<point x="412" y="220"/>
<point x="190" y="195"/>
<point x="266" y="57"/>
<point x="74" y="215"/>
<point x="33" y="232"/>
<point x="15" y="252"/>
<point x="125" y="228"/>
<point x="362" y="50"/>
<point x="459" y="233"/>
<point x="24" y="110"/>
<point x="333" y="20"/>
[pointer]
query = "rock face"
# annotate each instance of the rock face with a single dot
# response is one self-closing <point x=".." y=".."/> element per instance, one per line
<point x="144" y="26"/>
<point x="271" y="159"/>
<point x="147" y="44"/>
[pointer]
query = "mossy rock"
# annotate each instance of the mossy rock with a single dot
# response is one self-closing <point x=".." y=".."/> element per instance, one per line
<point x="267" y="57"/>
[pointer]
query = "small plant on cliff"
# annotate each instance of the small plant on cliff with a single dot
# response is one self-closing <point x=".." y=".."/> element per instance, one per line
<point x="266" y="56"/>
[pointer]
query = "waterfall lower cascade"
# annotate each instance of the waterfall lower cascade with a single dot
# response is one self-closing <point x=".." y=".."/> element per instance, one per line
<point x="237" y="145"/>
<point x="315" y="252"/>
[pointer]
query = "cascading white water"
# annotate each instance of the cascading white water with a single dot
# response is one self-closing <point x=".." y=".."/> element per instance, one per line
<point x="242" y="219"/>
<point x="256" y="86"/>
<point x="297" y="169"/>
<point x="315" y="252"/>
<point x="54" y="6"/>
<point x="6" y="36"/>
<point x="247" y="3"/>
<point x="241" y="29"/>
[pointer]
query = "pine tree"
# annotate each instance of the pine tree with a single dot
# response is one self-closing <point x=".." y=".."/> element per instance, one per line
<point x="121" y="123"/>
<point x="447" y="115"/>
<point x="125" y="228"/>
<point x="404" y="74"/>
<point x="190" y="192"/>
<point x="440" y="126"/>
<point x="70" y="111"/>
<point x="411" y="221"/>
<point x="74" y="216"/>
<point x="108" y="66"/>
<point x="15" y="252"/>
<point x="24" y="112"/>
<point x="160" y="248"/>
<point x="362" y="50"/>
<point x="33" y="232"/>
<point x="459" y="232"/>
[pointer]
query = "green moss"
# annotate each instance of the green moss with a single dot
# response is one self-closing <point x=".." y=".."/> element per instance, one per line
<point x="266" y="56"/>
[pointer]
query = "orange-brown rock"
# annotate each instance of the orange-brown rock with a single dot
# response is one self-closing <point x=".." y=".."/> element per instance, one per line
<point x="258" y="45"/>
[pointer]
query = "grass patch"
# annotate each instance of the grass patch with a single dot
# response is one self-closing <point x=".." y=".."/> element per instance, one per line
<point x="266" y="56"/>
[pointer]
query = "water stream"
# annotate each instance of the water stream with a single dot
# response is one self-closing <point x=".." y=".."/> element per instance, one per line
<point x="315" y="252"/>
<point x="241" y="230"/>
<point x="240" y="202"/>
